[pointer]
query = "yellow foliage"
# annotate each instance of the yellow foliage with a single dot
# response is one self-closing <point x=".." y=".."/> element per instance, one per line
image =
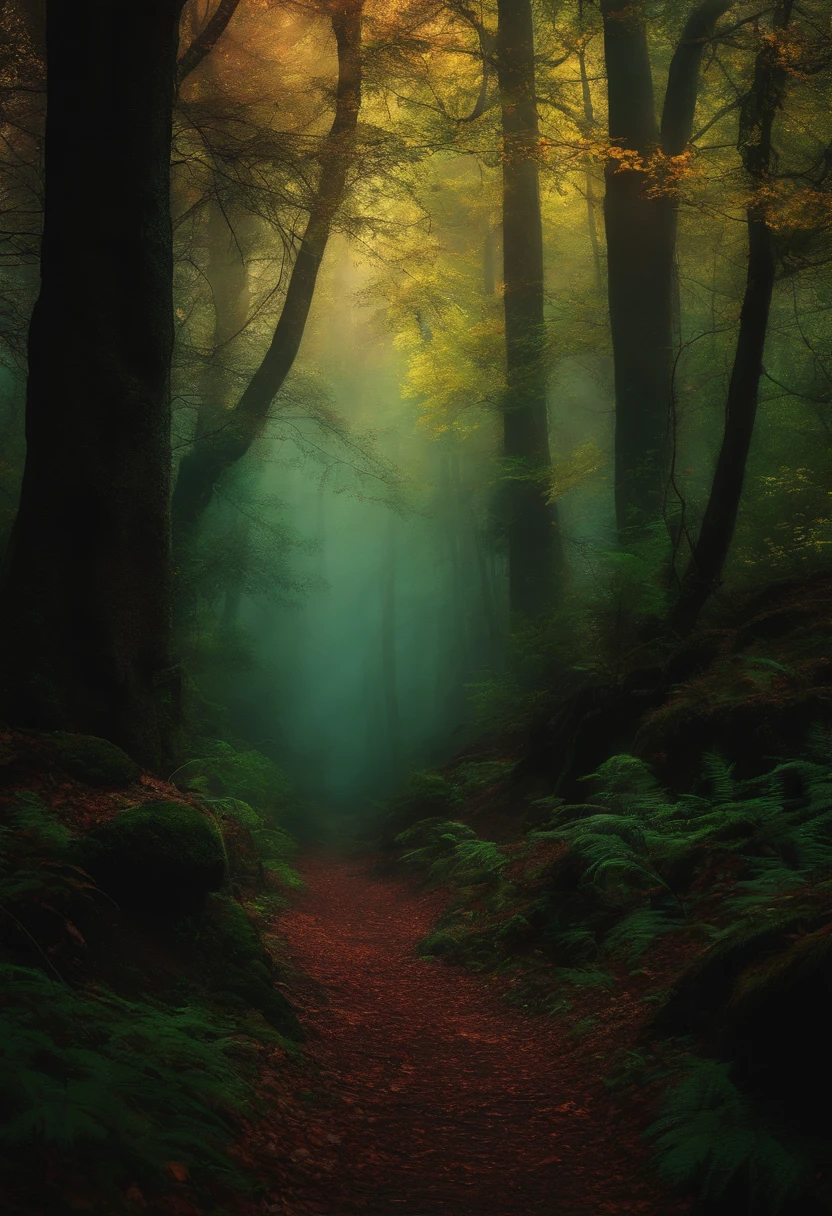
<point x="574" y="471"/>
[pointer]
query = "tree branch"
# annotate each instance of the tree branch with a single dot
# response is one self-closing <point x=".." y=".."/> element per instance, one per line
<point x="207" y="39"/>
<point x="683" y="77"/>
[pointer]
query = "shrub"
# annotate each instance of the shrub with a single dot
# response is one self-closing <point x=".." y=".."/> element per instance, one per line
<point x="245" y="774"/>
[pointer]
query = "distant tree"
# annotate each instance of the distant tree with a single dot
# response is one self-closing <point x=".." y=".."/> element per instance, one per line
<point x="85" y="608"/>
<point x="218" y="450"/>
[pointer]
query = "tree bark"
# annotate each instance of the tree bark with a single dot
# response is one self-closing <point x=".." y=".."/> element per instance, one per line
<point x="85" y="611"/>
<point x="535" y="550"/>
<point x="213" y="454"/>
<point x="759" y="111"/>
<point x="640" y="225"/>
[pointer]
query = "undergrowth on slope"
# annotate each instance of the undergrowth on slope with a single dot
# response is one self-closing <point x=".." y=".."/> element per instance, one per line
<point x="126" y="1085"/>
<point x="739" y="873"/>
<point x="275" y="846"/>
<point x="710" y="1137"/>
<point x="128" y="1052"/>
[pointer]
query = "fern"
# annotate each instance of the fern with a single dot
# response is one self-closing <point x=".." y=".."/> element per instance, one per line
<point x="471" y="862"/>
<point x="638" y="931"/>
<point x="709" y="1137"/>
<point x="275" y="846"/>
<point x="141" y="1083"/>
<point x="228" y="772"/>
<point x="719" y="776"/>
<point x="452" y="852"/>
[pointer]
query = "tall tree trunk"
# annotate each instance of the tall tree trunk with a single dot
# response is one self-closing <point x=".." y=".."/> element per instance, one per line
<point x="639" y="276"/>
<point x="759" y="111"/>
<point x="214" y="454"/>
<point x="591" y="200"/>
<point x="535" y="548"/>
<point x="640" y="226"/>
<point x="85" y="612"/>
<point x="389" y="666"/>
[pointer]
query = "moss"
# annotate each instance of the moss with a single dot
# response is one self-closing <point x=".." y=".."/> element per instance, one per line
<point x="440" y="945"/>
<point x="159" y="860"/>
<point x="515" y="931"/>
<point x="94" y="761"/>
<point x="237" y="966"/>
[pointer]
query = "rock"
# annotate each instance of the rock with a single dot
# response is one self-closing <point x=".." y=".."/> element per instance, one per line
<point x="157" y="861"/>
<point x="92" y="760"/>
<point x="439" y="945"/>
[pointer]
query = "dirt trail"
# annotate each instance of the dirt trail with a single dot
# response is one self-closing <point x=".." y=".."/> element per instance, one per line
<point x="445" y="1101"/>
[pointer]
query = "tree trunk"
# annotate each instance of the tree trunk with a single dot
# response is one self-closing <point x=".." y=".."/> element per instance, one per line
<point x="704" y="572"/>
<point x="535" y="549"/>
<point x="389" y="666"/>
<point x="85" y="614"/>
<point x="591" y="200"/>
<point x="639" y="276"/>
<point x="640" y="226"/>
<point x="214" y="454"/>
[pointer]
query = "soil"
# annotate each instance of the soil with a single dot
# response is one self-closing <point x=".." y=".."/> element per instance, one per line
<point x="433" y="1096"/>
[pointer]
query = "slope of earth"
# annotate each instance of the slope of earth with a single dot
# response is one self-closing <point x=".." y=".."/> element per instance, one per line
<point x="443" y="1101"/>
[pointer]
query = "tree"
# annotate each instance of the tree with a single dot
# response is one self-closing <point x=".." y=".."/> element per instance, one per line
<point x="85" y="612"/>
<point x="206" y="39"/>
<point x="215" y="452"/>
<point x="640" y="220"/>
<point x="535" y="548"/>
<point x="757" y="117"/>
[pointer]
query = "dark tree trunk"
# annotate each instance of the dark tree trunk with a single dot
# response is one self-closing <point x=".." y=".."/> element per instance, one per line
<point x="704" y="572"/>
<point x="639" y="276"/>
<point x="640" y="226"/>
<point x="535" y="550"/>
<point x="85" y="617"/>
<point x="213" y="454"/>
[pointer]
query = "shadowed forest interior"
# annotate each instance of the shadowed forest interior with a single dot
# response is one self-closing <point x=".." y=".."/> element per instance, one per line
<point x="415" y="607"/>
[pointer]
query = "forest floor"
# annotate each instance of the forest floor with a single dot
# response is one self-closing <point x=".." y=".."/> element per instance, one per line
<point x="433" y="1097"/>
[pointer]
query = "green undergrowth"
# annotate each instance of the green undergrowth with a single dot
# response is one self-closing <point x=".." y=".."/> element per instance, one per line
<point x="124" y="1086"/>
<point x="723" y="894"/>
<point x="131" y="1019"/>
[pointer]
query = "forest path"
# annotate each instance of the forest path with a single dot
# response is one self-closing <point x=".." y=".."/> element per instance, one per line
<point x="444" y="1101"/>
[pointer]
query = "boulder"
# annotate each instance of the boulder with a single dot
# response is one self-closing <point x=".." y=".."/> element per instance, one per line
<point x="92" y="760"/>
<point x="157" y="861"/>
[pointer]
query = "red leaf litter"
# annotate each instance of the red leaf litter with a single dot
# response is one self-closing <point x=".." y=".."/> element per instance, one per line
<point x="432" y="1096"/>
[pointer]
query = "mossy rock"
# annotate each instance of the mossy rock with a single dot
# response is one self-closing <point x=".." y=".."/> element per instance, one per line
<point x="440" y="945"/>
<point x="92" y="760"/>
<point x="237" y="821"/>
<point x="238" y="968"/>
<point x="157" y="861"/>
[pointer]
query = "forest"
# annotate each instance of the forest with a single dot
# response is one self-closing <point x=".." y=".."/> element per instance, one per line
<point x="415" y="607"/>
